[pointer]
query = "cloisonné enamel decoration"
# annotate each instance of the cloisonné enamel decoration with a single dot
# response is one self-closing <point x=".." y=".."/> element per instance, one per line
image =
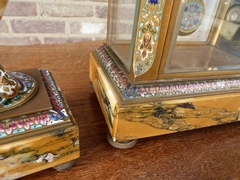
<point x="15" y="89"/>
<point x="192" y="17"/>
<point x="36" y="137"/>
<point x="153" y="1"/>
<point x="147" y="36"/>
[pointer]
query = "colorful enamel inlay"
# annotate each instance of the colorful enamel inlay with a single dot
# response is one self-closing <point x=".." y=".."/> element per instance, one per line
<point x="16" y="88"/>
<point x="131" y="91"/>
<point x="38" y="120"/>
<point x="192" y="16"/>
<point x="153" y="1"/>
<point x="147" y="35"/>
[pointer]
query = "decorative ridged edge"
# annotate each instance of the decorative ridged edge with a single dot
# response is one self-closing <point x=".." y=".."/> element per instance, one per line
<point x="131" y="91"/>
<point x="38" y="120"/>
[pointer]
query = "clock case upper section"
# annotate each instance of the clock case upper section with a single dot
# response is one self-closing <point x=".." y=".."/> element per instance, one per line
<point x="156" y="41"/>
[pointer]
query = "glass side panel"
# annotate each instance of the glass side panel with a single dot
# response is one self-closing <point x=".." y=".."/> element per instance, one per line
<point x="121" y="28"/>
<point x="207" y="37"/>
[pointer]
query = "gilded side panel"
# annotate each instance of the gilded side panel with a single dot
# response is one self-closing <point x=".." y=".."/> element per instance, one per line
<point x="106" y="95"/>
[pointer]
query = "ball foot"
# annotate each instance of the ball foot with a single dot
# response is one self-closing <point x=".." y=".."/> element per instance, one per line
<point x="64" y="166"/>
<point x="121" y="145"/>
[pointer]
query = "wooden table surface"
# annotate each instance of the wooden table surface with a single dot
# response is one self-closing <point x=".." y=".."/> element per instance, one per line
<point x="208" y="153"/>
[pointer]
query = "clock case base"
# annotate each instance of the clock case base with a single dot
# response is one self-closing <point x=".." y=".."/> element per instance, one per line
<point x="139" y="111"/>
<point x="45" y="137"/>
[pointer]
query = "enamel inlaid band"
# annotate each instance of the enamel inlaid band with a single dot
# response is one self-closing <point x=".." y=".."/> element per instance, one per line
<point x="38" y="120"/>
<point x="131" y="91"/>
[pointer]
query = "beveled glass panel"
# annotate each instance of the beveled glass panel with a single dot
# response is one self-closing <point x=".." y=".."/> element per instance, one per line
<point x="121" y="29"/>
<point x="207" y="37"/>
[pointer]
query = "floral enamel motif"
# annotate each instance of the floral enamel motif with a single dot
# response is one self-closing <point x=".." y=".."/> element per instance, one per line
<point x="131" y="91"/>
<point x="192" y="17"/>
<point x="148" y="30"/>
<point x="15" y="89"/>
<point x="38" y="120"/>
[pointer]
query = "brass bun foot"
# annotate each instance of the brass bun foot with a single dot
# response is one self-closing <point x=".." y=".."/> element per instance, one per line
<point x="65" y="166"/>
<point x="121" y="145"/>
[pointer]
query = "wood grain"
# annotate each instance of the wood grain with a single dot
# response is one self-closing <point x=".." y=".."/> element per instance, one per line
<point x="208" y="153"/>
